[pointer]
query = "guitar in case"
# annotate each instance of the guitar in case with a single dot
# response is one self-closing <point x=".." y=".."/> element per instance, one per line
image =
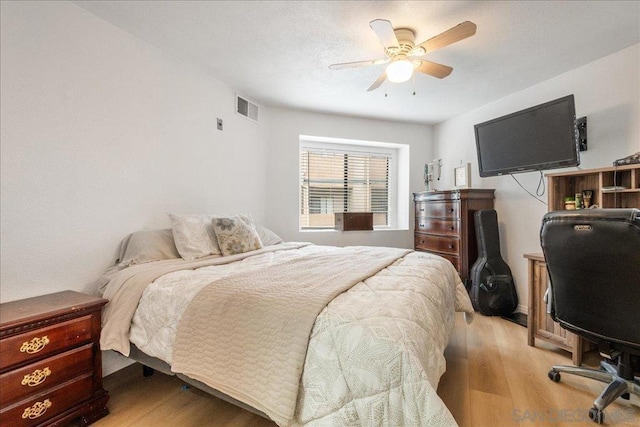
<point x="492" y="291"/>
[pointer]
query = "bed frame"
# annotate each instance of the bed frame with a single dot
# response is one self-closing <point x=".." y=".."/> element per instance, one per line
<point x="151" y="364"/>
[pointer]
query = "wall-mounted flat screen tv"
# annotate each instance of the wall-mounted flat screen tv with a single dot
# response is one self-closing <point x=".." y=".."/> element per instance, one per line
<point x="538" y="138"/>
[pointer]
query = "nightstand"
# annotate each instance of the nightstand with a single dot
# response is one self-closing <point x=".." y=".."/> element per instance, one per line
<point x="50" y="363"/>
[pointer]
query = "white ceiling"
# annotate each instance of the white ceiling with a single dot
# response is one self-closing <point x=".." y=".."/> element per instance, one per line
<point x="278" y="52"/>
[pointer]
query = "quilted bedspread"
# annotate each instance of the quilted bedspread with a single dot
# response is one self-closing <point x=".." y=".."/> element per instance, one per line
<point x="375" y="353"/>
<point x="247" y="334"/>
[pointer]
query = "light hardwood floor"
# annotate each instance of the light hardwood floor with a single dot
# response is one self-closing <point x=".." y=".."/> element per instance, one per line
<point x="493" y="379"/>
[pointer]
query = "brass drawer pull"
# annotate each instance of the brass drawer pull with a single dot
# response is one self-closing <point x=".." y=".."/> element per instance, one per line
<point x="35" y="345"/>
<point x="450" y="246"/>
<point x="36" y="410"/>
<point x="422" y="226"/>
<point x="37" y="377"/>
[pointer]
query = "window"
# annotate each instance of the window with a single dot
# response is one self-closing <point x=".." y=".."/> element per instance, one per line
<point x="347" y="177"/>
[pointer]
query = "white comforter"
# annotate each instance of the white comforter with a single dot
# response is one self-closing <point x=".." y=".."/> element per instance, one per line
<point x="376" y="351"/>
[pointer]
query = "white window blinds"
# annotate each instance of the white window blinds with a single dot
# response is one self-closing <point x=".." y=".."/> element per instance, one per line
<point x="343" y="180"/>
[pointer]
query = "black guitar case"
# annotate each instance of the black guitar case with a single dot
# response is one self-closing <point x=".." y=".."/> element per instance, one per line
<point x="493" y="292"/>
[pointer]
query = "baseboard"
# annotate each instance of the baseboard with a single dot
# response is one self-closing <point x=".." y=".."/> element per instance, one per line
<point x="517" y="318"/>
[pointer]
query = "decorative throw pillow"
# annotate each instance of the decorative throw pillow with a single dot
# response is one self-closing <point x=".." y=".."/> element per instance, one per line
<point x="148" y="245"/>
<point x="236" y="234"/>
<point x="193" y="235"/>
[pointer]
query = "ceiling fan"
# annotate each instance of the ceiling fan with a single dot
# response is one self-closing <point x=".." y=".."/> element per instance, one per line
<point x="404" y="56"/>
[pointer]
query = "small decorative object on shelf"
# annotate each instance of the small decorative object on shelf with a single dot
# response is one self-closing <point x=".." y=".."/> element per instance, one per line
<point x="51" y="366"/>
<point x="587" y="195"/>
<point x="578" y="200"/>
<point x="569" y="203"/>
<point x="610" y="187"/>
<point x="432" y="172"/>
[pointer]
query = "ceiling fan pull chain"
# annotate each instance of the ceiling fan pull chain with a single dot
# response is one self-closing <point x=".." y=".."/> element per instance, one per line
<point x="414" y="83"/>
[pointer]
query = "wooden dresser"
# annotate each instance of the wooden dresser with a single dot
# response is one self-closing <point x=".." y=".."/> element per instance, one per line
<point x="50" y="363"/>
<point x="445" y="224"/>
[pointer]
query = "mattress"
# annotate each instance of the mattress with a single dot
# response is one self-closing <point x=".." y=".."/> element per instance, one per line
<point x="375" y="353"/>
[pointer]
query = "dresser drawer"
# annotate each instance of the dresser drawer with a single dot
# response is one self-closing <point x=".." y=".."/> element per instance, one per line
<point x="427" y="242"/>
<point x="47" y="373"/>
<point x="438" y="209"/>
<point x="455" y="260"/>
<point x="38" y="343"/>
<point x="47" y="405"/>
<point x="444" y="227"/>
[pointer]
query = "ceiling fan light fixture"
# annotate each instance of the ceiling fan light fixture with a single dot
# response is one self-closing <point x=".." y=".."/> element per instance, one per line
<point x="400" y="71"/>
<point x="418" y="51"/>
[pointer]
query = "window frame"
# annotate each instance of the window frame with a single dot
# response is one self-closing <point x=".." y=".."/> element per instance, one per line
<point x="398" y="175"/>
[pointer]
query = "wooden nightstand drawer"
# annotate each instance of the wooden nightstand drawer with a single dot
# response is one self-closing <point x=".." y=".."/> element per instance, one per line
<point x="47" y="373"/>
<point x="445" y="227"/>
<point x="438" y="209"/>
<point x="46" y="341"/>
<point x="436" y="243"/>
<point x="47" y="405"/>
<point x="50" y="343"/>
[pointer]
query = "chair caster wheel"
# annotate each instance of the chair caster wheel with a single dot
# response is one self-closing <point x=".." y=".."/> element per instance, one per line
<point x="554" y="376"/>
<point x="596" y="415"/>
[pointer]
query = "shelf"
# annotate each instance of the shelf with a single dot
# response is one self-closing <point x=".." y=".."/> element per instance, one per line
<point x="626" y="190"/>
<point x="567" y="184"/>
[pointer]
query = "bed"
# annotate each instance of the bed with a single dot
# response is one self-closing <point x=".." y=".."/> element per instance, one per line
<point x="299" y="333"/>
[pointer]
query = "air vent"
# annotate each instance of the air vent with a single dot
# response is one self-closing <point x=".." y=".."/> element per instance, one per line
<point x="246" y="108"/>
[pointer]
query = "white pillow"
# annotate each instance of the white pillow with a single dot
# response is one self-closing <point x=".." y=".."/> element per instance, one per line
<point x="147" y="246"/>
<point x="236" y="234"/>
<point x="193" y="235"/>
<point x="268" y="237"/>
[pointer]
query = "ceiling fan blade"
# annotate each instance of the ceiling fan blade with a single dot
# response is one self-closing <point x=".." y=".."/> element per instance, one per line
<point x="378" y="82"/>
<point x="452" y="35"/>
<point x="384" y="31"/>
<point x="434" y="69"/>
<point x="358" y="64"/>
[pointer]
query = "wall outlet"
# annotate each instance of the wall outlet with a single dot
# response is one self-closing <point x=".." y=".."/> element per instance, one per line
<point x="219" y="124"/>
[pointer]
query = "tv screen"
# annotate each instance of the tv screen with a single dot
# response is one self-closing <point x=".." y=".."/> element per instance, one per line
<point x="538" y="138"/>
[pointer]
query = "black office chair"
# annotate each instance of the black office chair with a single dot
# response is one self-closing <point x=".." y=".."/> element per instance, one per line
<point x="593" y="260"/>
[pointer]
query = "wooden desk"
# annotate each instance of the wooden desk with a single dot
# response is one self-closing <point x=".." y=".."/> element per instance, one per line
<point x="540" y="324"/>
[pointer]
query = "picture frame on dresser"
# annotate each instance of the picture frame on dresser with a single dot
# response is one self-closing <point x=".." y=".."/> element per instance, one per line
<point x="462" y="176"/>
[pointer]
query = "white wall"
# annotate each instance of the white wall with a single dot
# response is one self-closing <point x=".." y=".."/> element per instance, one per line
<point x="607" y="91"/>
<point x="285" y="128"/>
<point x="101" y="135"/>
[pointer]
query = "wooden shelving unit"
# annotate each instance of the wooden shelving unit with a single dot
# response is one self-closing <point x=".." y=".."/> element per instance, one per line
<point x="567" y="184"/>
